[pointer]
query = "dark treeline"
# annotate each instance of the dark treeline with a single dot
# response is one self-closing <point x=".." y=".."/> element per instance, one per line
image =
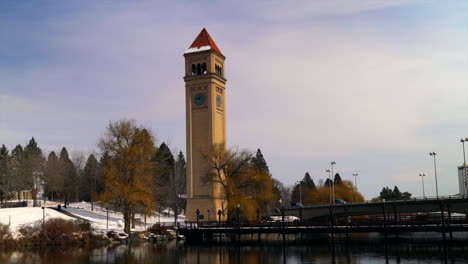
<point x="27" y="173"/>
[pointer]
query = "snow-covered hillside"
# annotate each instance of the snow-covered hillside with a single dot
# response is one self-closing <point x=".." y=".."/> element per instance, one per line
<point x="98" y="217"/>
<point x="26" y="216"/>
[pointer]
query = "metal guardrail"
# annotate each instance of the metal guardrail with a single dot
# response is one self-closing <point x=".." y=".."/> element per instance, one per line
<point x="406" y="221"/>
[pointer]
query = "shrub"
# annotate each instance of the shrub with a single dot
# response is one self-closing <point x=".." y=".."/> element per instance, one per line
<point x="157" y="229"/>
<point x="57" y="231"/>
<point x="5" y="234"/>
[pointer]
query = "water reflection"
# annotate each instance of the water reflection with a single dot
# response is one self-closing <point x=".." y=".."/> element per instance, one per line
<point x="308" y="251"/>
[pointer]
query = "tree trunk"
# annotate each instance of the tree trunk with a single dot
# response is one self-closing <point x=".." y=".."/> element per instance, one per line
<point x="126" y="214"/>
<point x="175" y="215"/>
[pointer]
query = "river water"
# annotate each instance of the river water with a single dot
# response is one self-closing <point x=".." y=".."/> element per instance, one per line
<point x="356" y="250"/>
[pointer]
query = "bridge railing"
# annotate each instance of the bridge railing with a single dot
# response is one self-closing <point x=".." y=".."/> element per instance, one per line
<point x="380" y="221"/>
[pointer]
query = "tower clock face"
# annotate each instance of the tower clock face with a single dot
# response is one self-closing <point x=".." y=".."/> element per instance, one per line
<point x="199" y="99"/>
<point x="219" y="100"/>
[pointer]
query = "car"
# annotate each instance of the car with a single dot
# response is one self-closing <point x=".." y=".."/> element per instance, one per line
<point x="294" y="204"/>
<point x="339" y="201"/>
<point x="279" y="218"/>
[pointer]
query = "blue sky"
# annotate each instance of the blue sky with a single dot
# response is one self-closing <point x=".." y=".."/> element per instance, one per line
<point x="375" y="85"/>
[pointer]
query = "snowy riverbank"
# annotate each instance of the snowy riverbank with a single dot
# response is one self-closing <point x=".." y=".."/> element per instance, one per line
<point x="17" y="217"/>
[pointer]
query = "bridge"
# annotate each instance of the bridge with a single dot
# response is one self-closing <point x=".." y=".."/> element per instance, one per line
<point x="391" y="217"/>
<point x="428" y="205"/>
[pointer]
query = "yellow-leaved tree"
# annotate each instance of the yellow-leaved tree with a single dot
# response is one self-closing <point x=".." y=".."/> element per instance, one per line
<point x="128" y="168"/>
<point x="344" y="190"/>
<point x="243" y="184"/>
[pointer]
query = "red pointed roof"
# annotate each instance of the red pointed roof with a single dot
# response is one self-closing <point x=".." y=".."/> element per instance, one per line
<point x="203" y="40"/>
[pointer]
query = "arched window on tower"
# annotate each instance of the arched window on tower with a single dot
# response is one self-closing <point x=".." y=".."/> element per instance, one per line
<point x="198" y="68"/>
<point x="194" y="69"/>
<point x="220" y="71"/>
<point x="204" y="68"/>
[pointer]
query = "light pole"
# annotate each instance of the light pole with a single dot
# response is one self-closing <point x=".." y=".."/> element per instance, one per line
<point x="333" y="181"/>
<point x="422" y="178"/>
<point x="463" y="140"/>
<point x="329" y="180"/>
<point x="107" y="218"/>
<point x="300" y="191"/>
<point x="435" y="173"/>
<point x="43" y="219"/>
<point x="355" y="183"/>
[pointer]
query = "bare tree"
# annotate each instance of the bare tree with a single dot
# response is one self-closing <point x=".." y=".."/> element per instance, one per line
<point x="228" y="168"/>
<point x="241" y="180"/>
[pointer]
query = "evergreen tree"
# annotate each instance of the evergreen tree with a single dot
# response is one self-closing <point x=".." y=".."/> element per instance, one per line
<point x="53" y="181"/>
<point x="89" y="180"/>
<point x="302" y="190"/>
<point x="164" y="164"/>
<point x="104" y="163"/>
<point x="181" y="178"/>
<point x="34" y="168"/>
<point x="18" y="174"/>
<point x="68" y="173"/>
<point x="296" y="193"/>
<point x="164" y="161"/>
<point x="5" y="170"/>
<point x="308" y="182"/>
<point x="337" y="179"/>
<point x="395" y="194"/>
<point x="328" y="182"/>
<point x="259" y="161"/>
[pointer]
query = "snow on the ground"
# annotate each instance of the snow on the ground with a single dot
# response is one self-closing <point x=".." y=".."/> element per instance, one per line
<point x="19" y="216"/>
<point x="98" y="217"/>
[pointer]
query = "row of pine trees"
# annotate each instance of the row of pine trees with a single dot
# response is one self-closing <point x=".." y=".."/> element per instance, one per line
<point x="25" y="171"/>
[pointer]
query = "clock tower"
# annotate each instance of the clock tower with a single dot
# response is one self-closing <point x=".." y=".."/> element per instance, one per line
<point x="206" y="124"/>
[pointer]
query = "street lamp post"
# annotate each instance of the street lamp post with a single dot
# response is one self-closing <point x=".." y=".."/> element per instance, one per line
<point x="107" y="217"/>
<point x="300" y="191"/>
<point x="355" y="183"/>
<point x="463" y="140"/>
<point x="329" y="180"/>
<point x="333" y="181"/>
<point x="435" y="173"/>
<point x="43" y="219"/>
<point x="219" y="217"/>
<point x="422" y="178"/>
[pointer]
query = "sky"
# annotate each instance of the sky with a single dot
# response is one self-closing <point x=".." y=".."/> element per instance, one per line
<point x="374" y="85"/>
